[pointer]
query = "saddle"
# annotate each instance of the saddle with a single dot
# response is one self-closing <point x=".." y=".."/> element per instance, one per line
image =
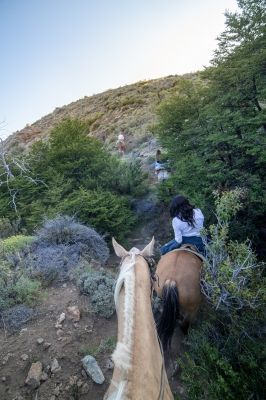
<point x="191" y="248"/>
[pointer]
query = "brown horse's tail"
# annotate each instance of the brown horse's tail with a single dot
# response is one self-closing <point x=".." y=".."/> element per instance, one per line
<point x="167" y="320"/>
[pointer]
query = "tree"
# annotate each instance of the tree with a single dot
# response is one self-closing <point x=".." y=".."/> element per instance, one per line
<point x="215" y="131"/>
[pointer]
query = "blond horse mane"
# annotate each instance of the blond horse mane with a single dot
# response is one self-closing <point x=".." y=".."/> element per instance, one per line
<point x="122" y="355"/>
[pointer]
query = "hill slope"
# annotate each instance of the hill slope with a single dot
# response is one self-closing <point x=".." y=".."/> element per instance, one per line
<point x="129" y="109"/>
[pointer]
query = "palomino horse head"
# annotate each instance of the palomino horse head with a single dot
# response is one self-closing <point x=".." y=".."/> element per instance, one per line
<point x="121" y="147"/>
<point x="139" y="367"/>
<point x="178" y="284"/>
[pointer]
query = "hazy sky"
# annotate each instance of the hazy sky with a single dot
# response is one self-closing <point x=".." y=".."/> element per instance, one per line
<point x="54" y="52"/>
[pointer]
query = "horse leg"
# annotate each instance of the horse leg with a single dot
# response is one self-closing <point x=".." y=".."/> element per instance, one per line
<point x="189" y="316"/>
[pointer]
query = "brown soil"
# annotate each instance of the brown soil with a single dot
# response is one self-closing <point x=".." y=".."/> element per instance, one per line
<point x="77" y="341"/>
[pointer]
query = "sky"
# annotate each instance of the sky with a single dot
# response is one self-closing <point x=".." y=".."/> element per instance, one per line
<point x="55" y="52"/>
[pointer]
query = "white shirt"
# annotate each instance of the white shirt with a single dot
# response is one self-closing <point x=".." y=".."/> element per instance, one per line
<point x="121" y="137"/>
<point x="182" y="228"/>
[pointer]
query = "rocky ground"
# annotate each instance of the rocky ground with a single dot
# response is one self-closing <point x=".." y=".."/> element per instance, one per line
<point x="58" y="352"/>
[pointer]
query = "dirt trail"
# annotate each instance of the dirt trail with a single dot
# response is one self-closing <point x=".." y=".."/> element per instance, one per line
<point x="77" y="340"/>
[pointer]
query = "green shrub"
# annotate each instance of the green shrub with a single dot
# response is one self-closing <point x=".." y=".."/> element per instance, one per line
<point x="8" y="228"/>
<point x="100" y="286"/>
<point x="27" y="291"/>
<point x="15" y="243"/>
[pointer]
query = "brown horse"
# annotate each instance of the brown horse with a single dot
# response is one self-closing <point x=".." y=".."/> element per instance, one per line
<point x="121" y="147"/>
<point x="139" y="371"/>
<point x="178" y="284"/>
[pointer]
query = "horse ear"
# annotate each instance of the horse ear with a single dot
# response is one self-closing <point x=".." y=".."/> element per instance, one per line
<point x="148" y="251"/>
<point x="119" y="250"/>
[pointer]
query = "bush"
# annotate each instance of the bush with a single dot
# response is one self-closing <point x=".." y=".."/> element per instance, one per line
<point x="100" y="286"/>
<point x="14" y="317"/>
<point x="227" y="353"/>
<point x="64" y="230"/>
<point x="15" y="243"/>
<point x="8" y="228"/>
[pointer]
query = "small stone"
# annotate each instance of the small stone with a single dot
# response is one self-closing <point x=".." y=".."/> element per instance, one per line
<point x="64" y="285"/>
<point x="34" y="374"/>
<point x="64" y="339"/>
<point x="75" y="325"/>
<point x="46" y="345"/>
<point x="73" y="380"/>
<point x="109" y="364"/>
<point x="57" y="391"/>
<point x="92" y="368"/>
<point x="59" y="332"/>
<point x="55" y="367"/>
<point x="40" y="340"/>
<point x="47" y="369"/>
<point x="24" y="330"/>
<point x="6" y="358"/>
<point x="24" y="357"/>
<point x="85" y="389"/>
<point x="83" y="373"/>
<point x="74" y="312"/>
<point x="3" y="379"/>
<point x="79" y="383"/>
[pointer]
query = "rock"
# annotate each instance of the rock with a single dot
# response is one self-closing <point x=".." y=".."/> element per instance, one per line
<point x="73" y="380"/>
<point x="43" y="376"/>
<point x="40" y="340"/>
<point x="59" y="332"/>
<point x="92" y="368"/>
<point x="3" y="379"/>
<point x="79" y="383"/>
<point x="55" y="367"/>
<point x="47" y="369"/>
<point x="109" y="364"/>
<point x="83" y="373"/>
<point x="60" y="320"/>
<point x="34" y="375"/>
<point x="46" y="345"/>
<point x="74" y="312"/>
<point x="85" y="389"/>
<point x="24" y="357"/>
<point x="57" y="390"/>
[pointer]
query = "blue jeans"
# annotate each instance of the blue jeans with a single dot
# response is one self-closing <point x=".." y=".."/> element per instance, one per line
<point x="172" y="245"/>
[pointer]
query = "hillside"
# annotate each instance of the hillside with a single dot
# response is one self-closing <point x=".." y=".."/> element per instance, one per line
<point x="130" y="109"/>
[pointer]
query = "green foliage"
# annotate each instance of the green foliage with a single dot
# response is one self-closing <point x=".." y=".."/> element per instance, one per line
<point x="227" y="353"/>
<point x="8" y="228"/>
<point x="15" y="243"/>
<point x="214" y="129"/>
<point x="100" y="286"/>
<point x="72" y="167"/>
<point x="95" y="349"/>
<point x="101" y="210"/>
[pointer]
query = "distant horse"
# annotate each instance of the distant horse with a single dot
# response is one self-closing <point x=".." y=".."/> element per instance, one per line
<point x="139" y="371"/>
<point x="163" y="175"/>
<point x="178" y="284"/>
<point x="121" y="147"/>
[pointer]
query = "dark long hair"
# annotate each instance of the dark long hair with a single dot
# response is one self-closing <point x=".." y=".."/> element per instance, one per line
<point x="182" y="209"/>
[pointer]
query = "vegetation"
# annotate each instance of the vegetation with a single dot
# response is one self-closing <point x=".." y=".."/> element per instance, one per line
<point x="77" y="177"/>
<point x="214" y="129"/>
<point x="227" y="353"/>
<point x="100" y="286"/>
